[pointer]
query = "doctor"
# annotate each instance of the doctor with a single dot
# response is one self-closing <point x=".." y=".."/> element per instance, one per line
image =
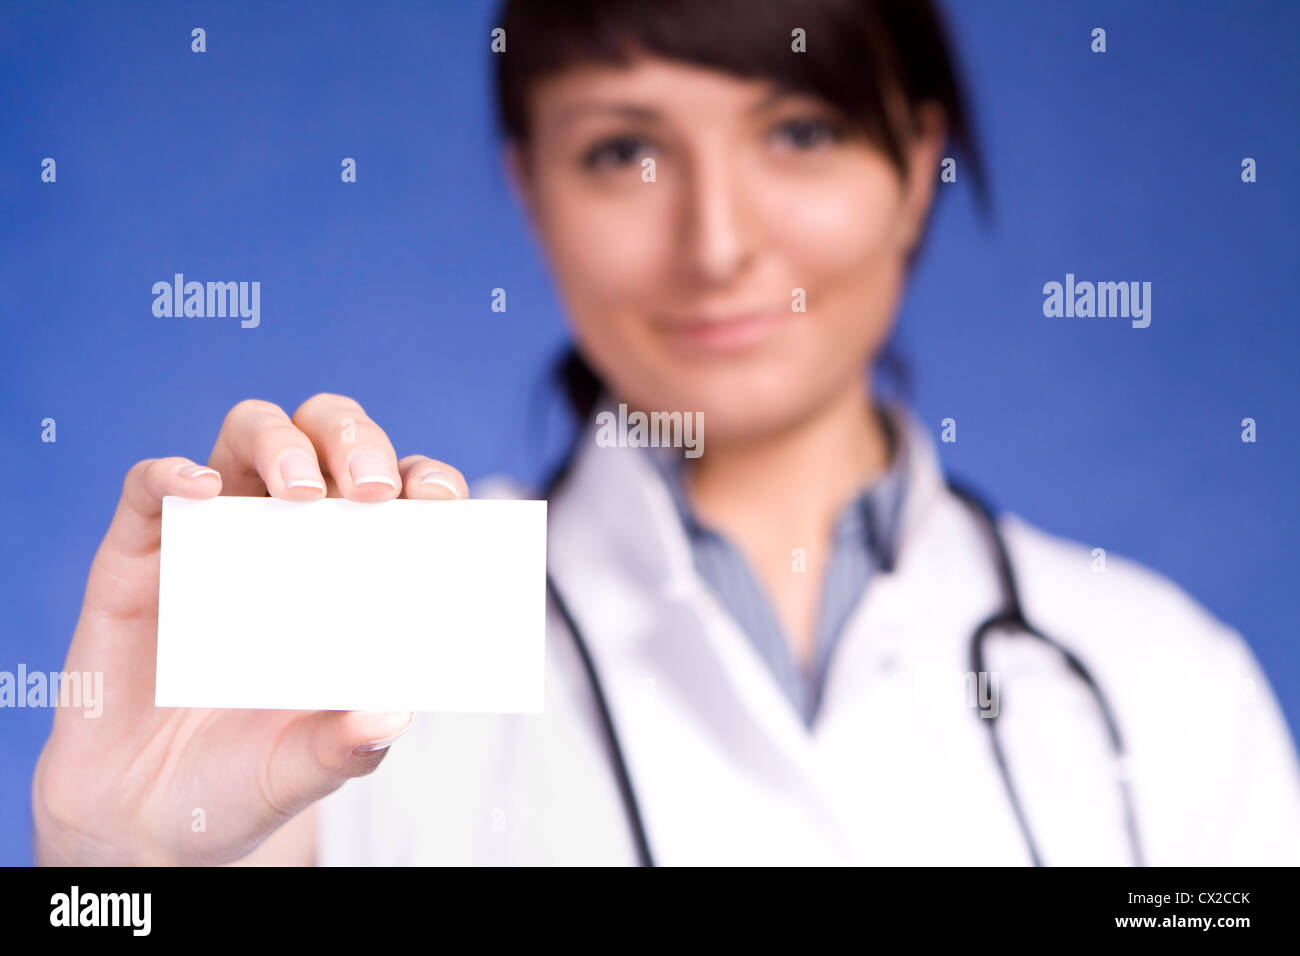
<point x="800" y="646"/>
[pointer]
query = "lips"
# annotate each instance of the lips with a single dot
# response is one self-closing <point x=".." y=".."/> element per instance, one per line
<point x="729" y="332"/>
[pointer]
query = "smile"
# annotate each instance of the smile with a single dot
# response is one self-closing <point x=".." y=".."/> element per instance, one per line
<point x="738" y="331"/>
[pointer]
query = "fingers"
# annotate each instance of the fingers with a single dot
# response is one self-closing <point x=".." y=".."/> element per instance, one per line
<point x="354" y="450"/>
<point x="260" y="451"/>
<point x="137" y="524"/>
<point x="330" y="446"/>
<point x="429" y="478"/>
<point x="320" y="752"/>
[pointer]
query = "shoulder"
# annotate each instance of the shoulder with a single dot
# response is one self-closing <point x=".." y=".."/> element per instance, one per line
<point x="1105" y="596"/>
<point x="500" y="486"/>
<point x="1131" y="622"/>
<point x="1207" y="742"/>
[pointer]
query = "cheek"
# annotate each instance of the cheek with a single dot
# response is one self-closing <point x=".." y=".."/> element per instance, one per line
<point x="843" y="241"/>
<point x="598" y="257"/>
<point x="841" y="231"/>
<point x="608" y="255"/>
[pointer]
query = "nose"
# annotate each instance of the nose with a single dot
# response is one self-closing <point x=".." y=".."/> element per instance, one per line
<point x="716" y="239"/>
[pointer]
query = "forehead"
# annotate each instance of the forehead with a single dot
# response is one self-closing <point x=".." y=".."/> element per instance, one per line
<point x="648" y="88"/>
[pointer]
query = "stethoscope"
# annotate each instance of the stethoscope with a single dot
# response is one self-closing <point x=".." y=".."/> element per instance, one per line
<point x="1011" y="617"/>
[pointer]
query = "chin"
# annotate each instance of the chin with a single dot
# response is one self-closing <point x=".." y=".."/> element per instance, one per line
<point x="736" y="406"/>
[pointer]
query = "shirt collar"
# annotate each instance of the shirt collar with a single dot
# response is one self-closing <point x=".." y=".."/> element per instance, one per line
<point x="872" y="516"/>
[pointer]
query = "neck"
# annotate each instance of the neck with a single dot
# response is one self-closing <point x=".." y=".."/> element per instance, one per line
<point x="796" y="479"/>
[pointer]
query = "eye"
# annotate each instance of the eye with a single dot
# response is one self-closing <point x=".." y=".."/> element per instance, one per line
<point x="616" y="152"/>
<point x="805" y="133"/>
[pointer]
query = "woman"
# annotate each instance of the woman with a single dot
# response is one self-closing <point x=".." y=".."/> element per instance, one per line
<point x="763" y="654"/>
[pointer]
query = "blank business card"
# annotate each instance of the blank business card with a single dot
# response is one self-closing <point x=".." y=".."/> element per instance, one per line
<point x="339" y="605"/>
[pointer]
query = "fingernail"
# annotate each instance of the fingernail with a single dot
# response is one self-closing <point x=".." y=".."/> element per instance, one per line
<point x="385" y="742"/>
<point x="441" y="479"/>
<point x="368" y="468"/>
<point x="197" y="471"/>
<point x="299" y="471"/>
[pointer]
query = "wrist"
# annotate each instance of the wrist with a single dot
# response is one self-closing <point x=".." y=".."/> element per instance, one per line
<point x="59" y="841"/>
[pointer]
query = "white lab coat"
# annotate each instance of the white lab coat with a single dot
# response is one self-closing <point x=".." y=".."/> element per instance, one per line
<point x="898" y="767"/>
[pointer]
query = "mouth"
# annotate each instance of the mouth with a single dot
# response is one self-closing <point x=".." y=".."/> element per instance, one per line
<point x="728" y="332"/>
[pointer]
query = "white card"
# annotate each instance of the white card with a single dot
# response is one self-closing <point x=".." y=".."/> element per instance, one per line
<point x="339" y="605"/>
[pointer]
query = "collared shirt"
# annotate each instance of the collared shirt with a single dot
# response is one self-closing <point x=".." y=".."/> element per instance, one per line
<point x="863" y="541"/>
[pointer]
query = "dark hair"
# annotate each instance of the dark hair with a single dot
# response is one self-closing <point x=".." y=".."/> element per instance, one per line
<point x="876" y="61"/>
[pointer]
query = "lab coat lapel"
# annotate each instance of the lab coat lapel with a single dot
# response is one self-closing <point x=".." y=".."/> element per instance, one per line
<point x="927" y="605"/>
<point x="896" y="739"/>
<point x="902" y="671"/>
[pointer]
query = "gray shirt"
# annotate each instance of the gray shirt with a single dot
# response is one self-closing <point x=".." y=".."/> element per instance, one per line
<point x="863" y="541"/>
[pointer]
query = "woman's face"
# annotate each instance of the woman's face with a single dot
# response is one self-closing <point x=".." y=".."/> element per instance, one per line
<point x="688" y="214"/>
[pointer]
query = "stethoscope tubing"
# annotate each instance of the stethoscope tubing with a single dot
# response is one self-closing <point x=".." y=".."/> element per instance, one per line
<point x="1011" y="617"/>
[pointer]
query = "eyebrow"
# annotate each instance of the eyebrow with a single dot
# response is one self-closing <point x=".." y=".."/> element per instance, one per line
<point x="624" y="110"/>
<point x="633" y="111"/>
<point x="771" y="99"/>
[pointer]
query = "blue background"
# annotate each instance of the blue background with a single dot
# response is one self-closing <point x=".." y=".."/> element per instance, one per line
<point x="225" y="165"/>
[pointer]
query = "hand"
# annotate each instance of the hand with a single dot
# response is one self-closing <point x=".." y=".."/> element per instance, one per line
<point x="125" y="787"/>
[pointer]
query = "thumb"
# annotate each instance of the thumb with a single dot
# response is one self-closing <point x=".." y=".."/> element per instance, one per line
<point x="317" y="754"/>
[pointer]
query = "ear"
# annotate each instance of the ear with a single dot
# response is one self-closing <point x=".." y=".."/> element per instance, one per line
<point x="515" y="163"/>
<point x="925" y="152"/>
